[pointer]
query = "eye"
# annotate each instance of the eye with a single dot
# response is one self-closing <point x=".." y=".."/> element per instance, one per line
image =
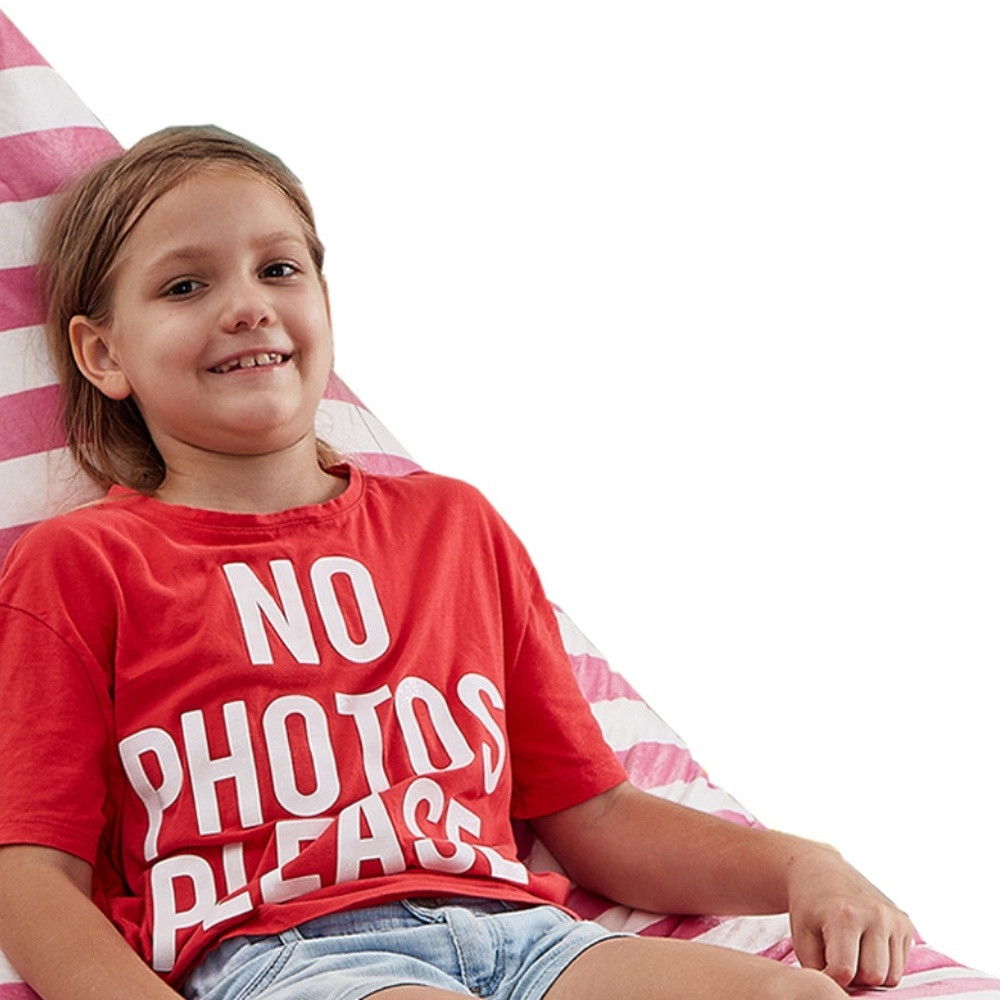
<point x="279" y="269"/>
<point x="184" y="287"/>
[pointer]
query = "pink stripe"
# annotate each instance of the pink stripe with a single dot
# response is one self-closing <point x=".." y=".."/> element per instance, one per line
<point x="738" y="818"/>
<point x="666" y="927"/>
<point x="381" y="464"/>
<point x="782" y="951"/>
<point x="31" y="422"/>
<point x="37" y="163"/>
<point x="592" y="907"/>
<point x="921" y="960"/>
<point x="17" y="991"/>
<point x="15" y="49"/>
<point x="587" y="904"/>
<point x="689" y="928"/>
<point x="20" y="298"/>
<point x="652" y="764"/>
<point x="377" y="463"/>
<point x="337" y="389"/>
<point x="941" y="988"/>
<point x="924" y="959"/>
<point x="598" y="682"/>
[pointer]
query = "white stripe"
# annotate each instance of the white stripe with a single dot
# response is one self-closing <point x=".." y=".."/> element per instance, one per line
<point x="950" y="973"/>
<point x="754" y="934"/>
<point x="40" y="485"/>
<point x="621" y="918"/>
<point x="343" y="425"/>
<point x="20" y="222"/>
<point x="44" y="484"/>
<point x="749" y="934"/>
<point x="699" y="794"/>
<point x="625" y="723"/>
<point x="757" y="934"/>
<point x="573" y="640"/>
<point x="577" y="644"/>
<point x="348" y="427"/>
<point x="7" y="973"/>
<point x="26" y="363"/>
<point x="35" y="98"/>
<point x="541" y="859"/>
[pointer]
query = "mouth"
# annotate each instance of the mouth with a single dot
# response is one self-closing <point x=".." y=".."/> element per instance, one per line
<point x="258" y="359"/>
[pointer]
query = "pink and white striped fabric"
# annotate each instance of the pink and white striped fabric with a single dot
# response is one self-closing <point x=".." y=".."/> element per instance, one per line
<point x="46" y="136"/>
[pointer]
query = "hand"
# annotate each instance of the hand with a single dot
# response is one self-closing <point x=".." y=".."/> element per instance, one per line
<point x="842" y="924"/>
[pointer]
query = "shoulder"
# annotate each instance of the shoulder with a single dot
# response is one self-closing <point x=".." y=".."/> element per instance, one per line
<point x="60" y="594"/>
<point x="69" y="548"/>
<point x="449" y="504"/>
<point x="433" y="492"/>
<point x="82" y="527"/>
<point x="424" y="483"/>
<point x="452" y="505"/>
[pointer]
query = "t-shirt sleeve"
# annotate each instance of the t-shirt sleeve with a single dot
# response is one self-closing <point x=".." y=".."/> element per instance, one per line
<point x="55" y="712"/>
<point x="559" y="757"/>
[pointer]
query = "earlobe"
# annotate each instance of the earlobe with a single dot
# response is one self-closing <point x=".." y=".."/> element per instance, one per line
<point x="96" y="358"/>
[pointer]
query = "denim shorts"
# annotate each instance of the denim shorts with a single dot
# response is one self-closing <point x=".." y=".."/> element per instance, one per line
<point x="475" y="947"/>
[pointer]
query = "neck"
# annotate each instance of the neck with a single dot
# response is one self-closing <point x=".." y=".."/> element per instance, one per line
<point x="250" y="484"/>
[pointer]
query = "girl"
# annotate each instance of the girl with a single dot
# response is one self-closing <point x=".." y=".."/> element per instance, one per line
<point x="267" y="718"/>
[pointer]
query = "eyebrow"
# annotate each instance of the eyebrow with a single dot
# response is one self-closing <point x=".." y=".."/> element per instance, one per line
<point x="200" y="250"/>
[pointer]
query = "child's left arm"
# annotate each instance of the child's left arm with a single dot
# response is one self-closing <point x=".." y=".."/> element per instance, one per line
<point x="656" y="855"/>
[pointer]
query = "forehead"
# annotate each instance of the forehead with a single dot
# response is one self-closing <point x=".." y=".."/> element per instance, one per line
<point x="213" y="207"/>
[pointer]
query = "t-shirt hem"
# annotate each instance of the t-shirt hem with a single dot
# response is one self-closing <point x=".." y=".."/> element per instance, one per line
<point x="279" y="917"/>
<point x="544" y="801"/>
<point x="38" y="834"/>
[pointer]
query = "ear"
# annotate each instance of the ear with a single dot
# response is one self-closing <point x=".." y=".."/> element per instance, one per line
<point x="95" y="357"/>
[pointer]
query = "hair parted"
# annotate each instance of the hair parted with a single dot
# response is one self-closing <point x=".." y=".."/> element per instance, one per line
<point x="86" y="227"/>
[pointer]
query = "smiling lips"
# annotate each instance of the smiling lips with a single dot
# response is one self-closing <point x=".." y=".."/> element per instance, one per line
<point x="260" y="360"/>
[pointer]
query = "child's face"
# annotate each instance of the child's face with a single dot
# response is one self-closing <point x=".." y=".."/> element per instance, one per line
<point x="220" y="326"/>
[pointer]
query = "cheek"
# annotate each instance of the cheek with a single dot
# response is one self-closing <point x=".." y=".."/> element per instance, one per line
<point x="156" y="360"/>
<point x="319" y="324"/>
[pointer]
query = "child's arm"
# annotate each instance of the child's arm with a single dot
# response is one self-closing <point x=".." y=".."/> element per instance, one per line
<point x="656" y="855"/>
<point x="58" y="940"/>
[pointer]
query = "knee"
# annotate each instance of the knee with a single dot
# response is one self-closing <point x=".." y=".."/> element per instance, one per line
<point x="803" y="984"/>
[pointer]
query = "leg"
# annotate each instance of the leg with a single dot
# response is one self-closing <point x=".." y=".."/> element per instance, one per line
<point x="662" y="969"/>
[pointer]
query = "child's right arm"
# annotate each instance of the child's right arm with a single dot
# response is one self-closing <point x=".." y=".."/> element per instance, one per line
<point x="58" y="940"/>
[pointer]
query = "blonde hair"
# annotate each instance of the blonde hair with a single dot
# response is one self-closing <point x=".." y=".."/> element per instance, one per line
<point x="85" y="230"/>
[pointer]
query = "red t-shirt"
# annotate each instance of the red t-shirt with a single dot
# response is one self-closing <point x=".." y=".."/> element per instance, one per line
<point x="245" y="721"/>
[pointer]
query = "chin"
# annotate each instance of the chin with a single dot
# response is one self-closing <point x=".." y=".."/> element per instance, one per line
<point x="259" y="433"/>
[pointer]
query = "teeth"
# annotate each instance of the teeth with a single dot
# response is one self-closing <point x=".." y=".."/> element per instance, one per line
<point x="249" y="361"/>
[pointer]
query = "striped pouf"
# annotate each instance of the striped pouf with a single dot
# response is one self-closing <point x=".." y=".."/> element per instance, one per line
<point x="48" y="136"/>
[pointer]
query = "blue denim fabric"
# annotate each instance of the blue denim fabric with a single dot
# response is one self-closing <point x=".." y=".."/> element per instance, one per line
<point x="475" y="947"/>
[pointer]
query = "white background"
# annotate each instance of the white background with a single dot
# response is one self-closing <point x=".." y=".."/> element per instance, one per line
<point x="703" y="296"/>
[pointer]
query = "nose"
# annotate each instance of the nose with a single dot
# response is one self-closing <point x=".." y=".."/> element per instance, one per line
<point x="246" y="309"/>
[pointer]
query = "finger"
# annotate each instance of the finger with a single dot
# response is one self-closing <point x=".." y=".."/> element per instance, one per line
<point x="842" y="949"/>
<point x="874" y="959"/>
<point x="899" y="948"/>
<point x="809" y="949"/>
